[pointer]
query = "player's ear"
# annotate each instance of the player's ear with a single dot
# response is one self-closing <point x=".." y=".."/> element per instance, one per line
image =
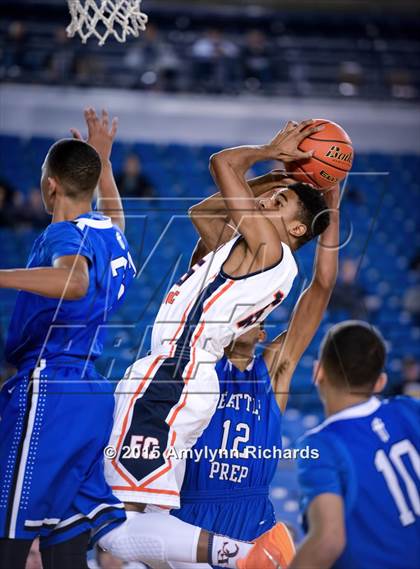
<point x="317" y="372"/>
<point x="297" y="229"/>
<point x="51" y="187"/>
<point x="380" y="383"/>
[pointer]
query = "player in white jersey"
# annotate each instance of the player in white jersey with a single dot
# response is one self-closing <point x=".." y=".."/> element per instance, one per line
<point x="167" y="399"/>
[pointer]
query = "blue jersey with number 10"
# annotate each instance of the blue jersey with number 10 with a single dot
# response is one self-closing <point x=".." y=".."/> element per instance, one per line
<point x="228" y="494"/>
<point x="52" y="328"/>
<point x="369" y="455"/>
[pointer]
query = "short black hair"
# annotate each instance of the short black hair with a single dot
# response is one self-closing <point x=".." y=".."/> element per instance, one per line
<point x="313" y="211"/>
<point x="76" y="165"/>
<point x="353" y="355"/>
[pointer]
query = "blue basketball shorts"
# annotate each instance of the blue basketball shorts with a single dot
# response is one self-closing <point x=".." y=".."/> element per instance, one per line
<point x="55" y="422"/>
<point x="243" y="514"/>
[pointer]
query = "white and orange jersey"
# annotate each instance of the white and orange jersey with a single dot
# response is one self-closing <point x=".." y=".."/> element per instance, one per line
<point x="207" y="308"/>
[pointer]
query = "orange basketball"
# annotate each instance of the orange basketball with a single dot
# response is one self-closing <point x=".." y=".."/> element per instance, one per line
<point x="332" y="158"/>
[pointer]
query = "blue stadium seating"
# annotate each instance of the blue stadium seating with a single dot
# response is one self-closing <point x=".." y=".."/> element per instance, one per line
<point x="389" y="192"/>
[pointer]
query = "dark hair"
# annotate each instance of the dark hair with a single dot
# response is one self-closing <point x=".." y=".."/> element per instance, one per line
<point x="313" y="211"/>
<point x="353" y="354"/>
<point x="76" y="165"/>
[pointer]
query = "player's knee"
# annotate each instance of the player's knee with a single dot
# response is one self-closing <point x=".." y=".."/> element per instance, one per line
<point x="126" y="543"/>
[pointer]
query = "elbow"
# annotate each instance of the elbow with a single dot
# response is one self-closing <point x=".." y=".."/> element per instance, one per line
<point x="332" y="548"/>
<point x="212" y="164"/>
<point x="216" y="160"/>
<point x="77" y="287"/>
<point x="327" y="283"/>
<point x="325" y="551"/>
<point x="327" y="286"/>
<point x="192" y="212"/>
<point x="331" y="545"/>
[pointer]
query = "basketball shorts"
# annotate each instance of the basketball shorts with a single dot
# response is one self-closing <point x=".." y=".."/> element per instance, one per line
<point x="162" y="406"/>
<point x="55" y="422"/>
<point x="243" y="514"/>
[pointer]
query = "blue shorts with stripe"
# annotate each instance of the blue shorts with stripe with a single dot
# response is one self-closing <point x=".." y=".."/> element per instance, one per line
<point x="56" y="420"/>
<point x="243" y="514"/>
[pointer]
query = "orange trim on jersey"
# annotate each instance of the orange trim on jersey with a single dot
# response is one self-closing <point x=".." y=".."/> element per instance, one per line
<point x="143" y="486"/>
<point x="218" y="295"/>
<point x="184" y="401"/>
<point x="207" y="307"/>
<point x="148" y="490"/>
<point x="124" y="425"/>
<point x="168" y="467"/>
<point x="147" y="482"/>
<point x="180" y="406"/>
<point x="181" y="324"/>
<point x="174" y="435"/>
<point x="198" y="333"/>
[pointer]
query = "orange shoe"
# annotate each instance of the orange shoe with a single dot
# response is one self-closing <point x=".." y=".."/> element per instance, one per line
<point x="272" y="550"/>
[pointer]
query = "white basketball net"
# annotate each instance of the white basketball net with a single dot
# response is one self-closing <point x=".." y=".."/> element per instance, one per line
<point x="102" y="18"/>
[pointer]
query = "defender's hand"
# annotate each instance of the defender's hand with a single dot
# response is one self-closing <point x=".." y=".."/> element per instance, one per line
<point x="284" y="146"/>
<point x="100" y="134"/>
<point x="332" y="197"/>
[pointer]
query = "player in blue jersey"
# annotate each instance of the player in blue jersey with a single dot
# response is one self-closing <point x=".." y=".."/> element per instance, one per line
<point x="56" y="412"/>
<point x="229" y="495"/>
<point x="361" y="496"/>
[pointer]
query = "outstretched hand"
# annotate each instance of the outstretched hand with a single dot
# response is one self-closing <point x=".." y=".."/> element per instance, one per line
<point x="285" y="145"/>
<point x="101" y="133"/>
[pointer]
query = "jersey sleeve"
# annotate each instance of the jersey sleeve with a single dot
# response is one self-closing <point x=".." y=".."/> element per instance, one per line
<point x="409" y="410"/>
<point x="64" y="239"/>
<point x="318" y="474"/>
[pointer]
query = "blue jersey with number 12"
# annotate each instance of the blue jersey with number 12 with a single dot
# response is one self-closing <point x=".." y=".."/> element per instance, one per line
<point x="51" y="328"/>
<point x="228" y="494"/>
<point x="369" y="455"/>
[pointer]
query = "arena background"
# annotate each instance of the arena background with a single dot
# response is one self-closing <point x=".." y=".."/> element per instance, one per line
<point x="210" y="74"/>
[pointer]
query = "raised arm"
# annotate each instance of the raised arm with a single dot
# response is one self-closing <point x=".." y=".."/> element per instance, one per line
<point x="229" y="167"/>
<point x="101" y="136"/>
<point x="211" y="217"/>
<point x="283" y="354"/>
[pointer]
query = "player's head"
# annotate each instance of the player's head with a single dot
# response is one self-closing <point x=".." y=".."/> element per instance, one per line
<point x="71" y="169"/>
<point x="351" y="359"/>
<point x="298" y="209"/>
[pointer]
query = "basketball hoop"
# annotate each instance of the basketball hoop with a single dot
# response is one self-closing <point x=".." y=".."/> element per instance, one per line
<point x="103" y="18"/>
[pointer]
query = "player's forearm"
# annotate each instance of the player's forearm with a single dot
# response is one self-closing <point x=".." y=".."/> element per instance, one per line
<point x="228" y="169"/>
<point x="215" y="204"/>
<point x="50" y="282"/>
<point x="314" y="553"/>
<point x="211" y="217"/>
<point x="326" y="257"/>
<point x="313" y="302"/>
<point x="109" y="200"/>
<point x="241" y="158"/>
<point x="283" y="354"/>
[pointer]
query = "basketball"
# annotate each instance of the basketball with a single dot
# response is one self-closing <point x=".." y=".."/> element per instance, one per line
<point x="332" y="158"/>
